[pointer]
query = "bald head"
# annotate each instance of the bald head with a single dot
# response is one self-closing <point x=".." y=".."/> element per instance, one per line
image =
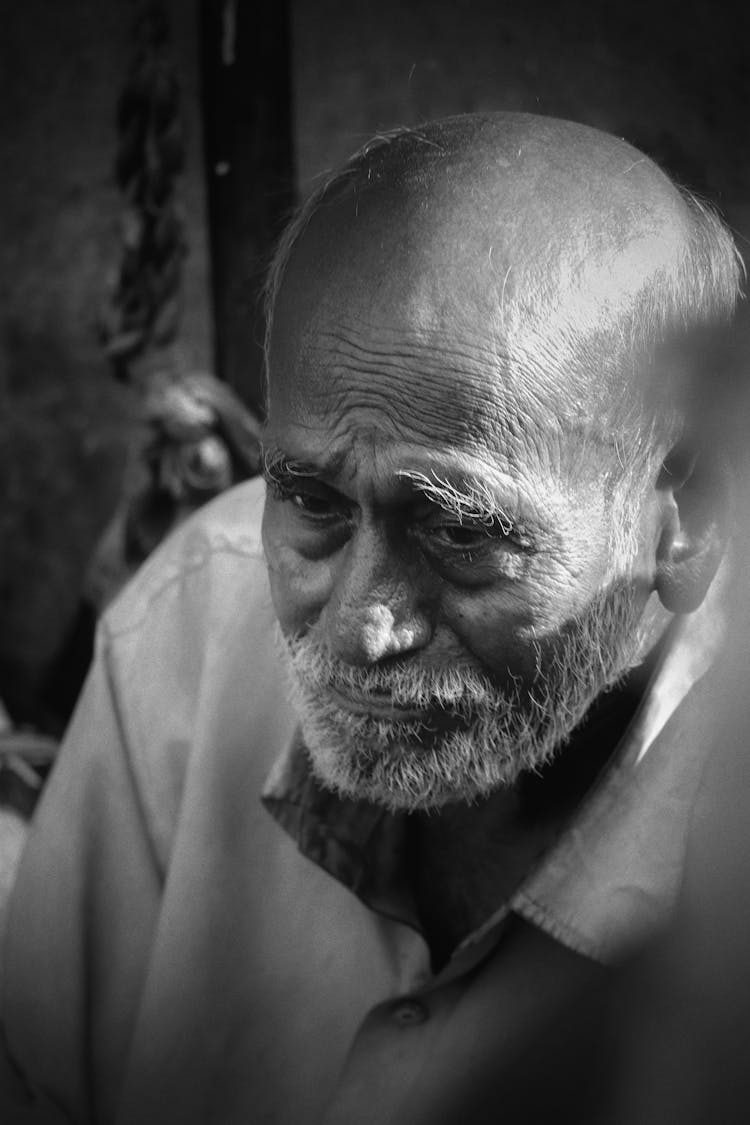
<point x="567" y="245"/>
<point x="552" y="200"/>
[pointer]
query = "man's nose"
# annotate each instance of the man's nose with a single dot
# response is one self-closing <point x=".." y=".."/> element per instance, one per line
<point x="374" y="611"/>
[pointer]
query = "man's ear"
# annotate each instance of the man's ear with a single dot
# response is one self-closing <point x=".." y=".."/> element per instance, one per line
<point x="697" y="497"/>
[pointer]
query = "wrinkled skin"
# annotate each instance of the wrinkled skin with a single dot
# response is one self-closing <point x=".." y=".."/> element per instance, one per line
<point x="387" y="355"/>
<point x="383" y="572"/>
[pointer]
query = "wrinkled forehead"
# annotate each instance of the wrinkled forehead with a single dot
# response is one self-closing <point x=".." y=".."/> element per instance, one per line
<point x="474" y="294"/>
<point x="410" y="365"/>
<point x="412" y="353"/>
<point x="535" y="250"/>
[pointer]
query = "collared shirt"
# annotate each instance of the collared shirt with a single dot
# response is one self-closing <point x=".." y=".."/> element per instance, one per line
<point x="197" y="933"/>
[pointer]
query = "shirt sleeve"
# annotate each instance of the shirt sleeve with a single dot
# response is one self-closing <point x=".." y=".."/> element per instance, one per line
<point x="81" y="923"/>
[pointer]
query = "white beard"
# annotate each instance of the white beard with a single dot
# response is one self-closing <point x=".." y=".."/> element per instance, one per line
<point x="484" y="735"/>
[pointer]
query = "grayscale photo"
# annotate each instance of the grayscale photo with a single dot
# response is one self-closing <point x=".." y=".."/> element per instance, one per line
<point x="374" y="658"/>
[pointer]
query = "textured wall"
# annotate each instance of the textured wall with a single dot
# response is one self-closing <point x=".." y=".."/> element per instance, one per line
<point x="668" y="74"/>
<point x="64" y="422"/>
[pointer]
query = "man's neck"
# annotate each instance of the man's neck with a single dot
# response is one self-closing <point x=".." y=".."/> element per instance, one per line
<point x="464" y="861"/>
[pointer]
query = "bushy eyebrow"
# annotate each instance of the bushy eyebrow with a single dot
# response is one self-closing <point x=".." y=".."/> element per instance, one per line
<point x="471" y="500"/>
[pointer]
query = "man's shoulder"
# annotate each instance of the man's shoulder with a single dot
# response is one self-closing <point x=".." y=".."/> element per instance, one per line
<point x="225" y="530"/>
<point x="189" y="653"/>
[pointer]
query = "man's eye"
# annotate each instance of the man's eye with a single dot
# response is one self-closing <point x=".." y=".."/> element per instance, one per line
<point x="311" y="504"/>
<point x="458" y="543"/>
<point x="461" y="536"/>
<point x="309" y="501"/>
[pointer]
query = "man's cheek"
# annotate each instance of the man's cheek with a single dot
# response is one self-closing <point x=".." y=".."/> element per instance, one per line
<point x="300" y="589"/>
<point x="498" y="630"/>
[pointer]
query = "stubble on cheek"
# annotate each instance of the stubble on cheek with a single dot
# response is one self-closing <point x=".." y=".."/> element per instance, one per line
<point x="487" y="735"/>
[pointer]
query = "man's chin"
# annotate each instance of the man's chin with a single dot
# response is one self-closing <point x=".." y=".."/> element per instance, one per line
<point x="386" y="790"/>
<point x="412" y="769"/>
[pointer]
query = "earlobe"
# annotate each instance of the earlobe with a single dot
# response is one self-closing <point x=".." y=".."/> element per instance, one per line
<point x="683" y="580"/>
<point x="697" y="495"/>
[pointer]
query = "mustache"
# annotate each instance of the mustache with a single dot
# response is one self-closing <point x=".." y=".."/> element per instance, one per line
<point x="460" y="688"/>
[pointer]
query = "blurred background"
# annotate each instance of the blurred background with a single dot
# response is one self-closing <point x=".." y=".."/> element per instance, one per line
<point x="150" y="152"/>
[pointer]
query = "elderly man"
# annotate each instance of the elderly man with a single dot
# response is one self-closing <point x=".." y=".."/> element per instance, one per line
<point x="358" y="799"/>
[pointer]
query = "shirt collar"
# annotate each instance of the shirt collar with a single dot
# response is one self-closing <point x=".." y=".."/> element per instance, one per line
<point x="612" y="877"/>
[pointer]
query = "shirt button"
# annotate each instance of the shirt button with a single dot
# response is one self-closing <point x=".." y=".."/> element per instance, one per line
<point x="409" y="1013"/>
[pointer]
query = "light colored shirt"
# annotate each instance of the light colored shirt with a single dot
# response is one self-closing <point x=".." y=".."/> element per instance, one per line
<point x="187" y="941"/>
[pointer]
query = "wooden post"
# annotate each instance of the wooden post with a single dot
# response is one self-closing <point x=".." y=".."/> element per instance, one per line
<point x="249" y="171"/>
